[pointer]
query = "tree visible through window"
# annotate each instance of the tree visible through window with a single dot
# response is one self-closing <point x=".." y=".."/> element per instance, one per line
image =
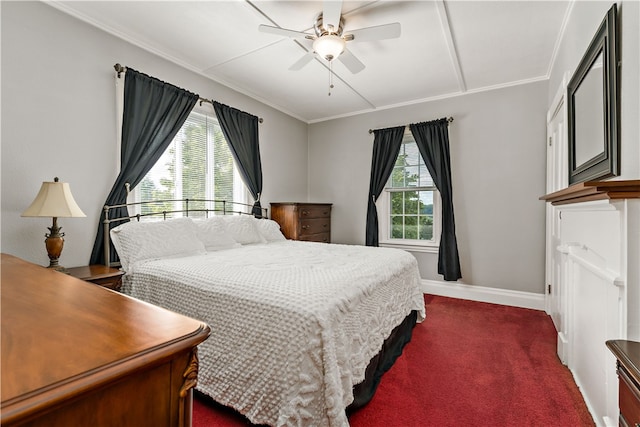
<point x="411" y="196"/>
<point x="197" y="165"/>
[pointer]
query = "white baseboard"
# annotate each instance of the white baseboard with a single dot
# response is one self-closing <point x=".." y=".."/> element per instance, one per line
<point x="484" y="294"/>
<point x="605" y="421"/>
<point x="563" y="348"/>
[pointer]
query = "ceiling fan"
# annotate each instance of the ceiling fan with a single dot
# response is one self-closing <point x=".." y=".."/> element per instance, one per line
<point x="330" y="39"/>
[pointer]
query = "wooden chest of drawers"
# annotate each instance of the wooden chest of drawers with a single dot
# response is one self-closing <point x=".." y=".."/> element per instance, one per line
<point x="303" y="221"/>
<point x="628" y="355"/>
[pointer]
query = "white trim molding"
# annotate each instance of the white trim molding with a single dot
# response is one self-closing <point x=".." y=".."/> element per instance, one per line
<point x="430" y="248"/>
<point x="451" y="44"/>
<point x="483" y="294"/>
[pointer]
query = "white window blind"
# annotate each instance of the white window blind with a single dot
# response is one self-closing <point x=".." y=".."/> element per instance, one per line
<point x="197" y="165"/>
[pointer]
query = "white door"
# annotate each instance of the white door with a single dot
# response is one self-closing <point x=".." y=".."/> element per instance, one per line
<point x="557" y="179"/>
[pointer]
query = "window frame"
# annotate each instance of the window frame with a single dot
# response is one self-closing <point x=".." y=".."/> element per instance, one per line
<point x="383" y="204"/>
<point x="240" y="189"/>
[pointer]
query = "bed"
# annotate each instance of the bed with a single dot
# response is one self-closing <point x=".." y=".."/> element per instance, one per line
<point x="297" y="327"/>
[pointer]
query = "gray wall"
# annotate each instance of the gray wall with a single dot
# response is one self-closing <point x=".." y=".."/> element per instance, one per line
<point x="498" y="161"/>
<point x="583" y="22"/>
<point x="58" y="119"/>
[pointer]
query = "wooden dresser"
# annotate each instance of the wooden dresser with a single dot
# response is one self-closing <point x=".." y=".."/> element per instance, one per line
<point x="628" y="355"/>
<point x="78" y="354"/>
<point x="303" y="221"/>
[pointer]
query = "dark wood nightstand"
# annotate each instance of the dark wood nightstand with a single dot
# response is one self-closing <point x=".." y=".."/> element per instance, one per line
<point x="107" y="277"/>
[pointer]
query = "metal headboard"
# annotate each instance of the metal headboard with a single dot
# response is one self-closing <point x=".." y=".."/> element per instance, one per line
<point x="193" y="207"/>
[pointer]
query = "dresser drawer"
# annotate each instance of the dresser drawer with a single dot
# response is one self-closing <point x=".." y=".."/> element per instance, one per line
<point x="314" y="211"/>
<point x="303" y="221"/>
<point x="322" y="238"/>
<point x="629" y="399"/>
<point x="314" y="226"/>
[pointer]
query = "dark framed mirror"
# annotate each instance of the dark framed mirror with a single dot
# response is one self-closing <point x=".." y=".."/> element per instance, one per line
<point x="592" y="106"/>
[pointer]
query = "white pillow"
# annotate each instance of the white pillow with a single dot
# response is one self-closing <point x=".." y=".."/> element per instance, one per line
<point x="269" y="230"/>
<point x="243" y="229"/>
<point x="214" y="235"/>
<point x="138" y="241"/>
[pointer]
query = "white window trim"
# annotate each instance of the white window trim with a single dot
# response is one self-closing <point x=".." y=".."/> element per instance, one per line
<point x="384" y="215"/>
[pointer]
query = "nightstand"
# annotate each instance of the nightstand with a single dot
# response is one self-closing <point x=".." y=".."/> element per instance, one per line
<point x="107" y="277"/>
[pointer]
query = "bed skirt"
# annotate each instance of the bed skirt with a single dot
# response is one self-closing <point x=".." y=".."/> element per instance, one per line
<point x="382" y="362"/>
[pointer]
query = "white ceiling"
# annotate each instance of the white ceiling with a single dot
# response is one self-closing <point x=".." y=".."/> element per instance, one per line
<point x="446" y="47"/>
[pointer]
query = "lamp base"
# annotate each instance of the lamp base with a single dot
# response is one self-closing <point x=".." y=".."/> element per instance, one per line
<point x="54" y="243"/>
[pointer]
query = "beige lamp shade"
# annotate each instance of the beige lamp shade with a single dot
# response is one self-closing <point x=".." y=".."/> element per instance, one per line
<point x="54" y="200"/>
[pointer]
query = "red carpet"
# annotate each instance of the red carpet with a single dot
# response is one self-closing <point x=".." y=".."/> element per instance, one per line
<point x="468" y="364"/>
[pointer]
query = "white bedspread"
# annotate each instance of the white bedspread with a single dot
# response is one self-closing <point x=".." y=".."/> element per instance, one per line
<point x="293" y="324"/>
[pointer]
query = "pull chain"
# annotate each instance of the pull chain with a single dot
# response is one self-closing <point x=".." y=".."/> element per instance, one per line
<point x="330" y="77"/>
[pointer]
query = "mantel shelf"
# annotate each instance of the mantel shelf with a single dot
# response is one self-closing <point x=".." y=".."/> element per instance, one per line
<point x="595" y="190"/>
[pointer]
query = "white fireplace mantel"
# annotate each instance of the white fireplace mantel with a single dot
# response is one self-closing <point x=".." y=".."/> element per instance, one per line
<point x="595" y="263"/>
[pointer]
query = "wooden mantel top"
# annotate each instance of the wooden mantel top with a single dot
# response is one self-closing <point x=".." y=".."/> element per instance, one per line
<point x="595" y="190"/>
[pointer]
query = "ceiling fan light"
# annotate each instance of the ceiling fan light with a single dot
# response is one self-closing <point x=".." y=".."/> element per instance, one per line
<point x="329" y="46"/>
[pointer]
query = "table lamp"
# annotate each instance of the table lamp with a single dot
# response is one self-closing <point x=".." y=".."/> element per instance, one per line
<point x="54" y="200"/>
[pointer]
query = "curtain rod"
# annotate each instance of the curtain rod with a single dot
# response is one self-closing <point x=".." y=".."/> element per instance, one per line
<point x="120" y="69"/>
<point x="449" y="120"/>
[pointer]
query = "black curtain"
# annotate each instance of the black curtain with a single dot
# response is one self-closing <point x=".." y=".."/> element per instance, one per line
<point x="154" y="111"/>
<point x="432" y="139"/>
<point x="241" y="131"/>
<point x="386" y="146"/>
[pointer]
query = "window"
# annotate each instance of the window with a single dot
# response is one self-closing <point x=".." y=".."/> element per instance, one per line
<point x="410" y="204"/>
<point x="197" y="165"/>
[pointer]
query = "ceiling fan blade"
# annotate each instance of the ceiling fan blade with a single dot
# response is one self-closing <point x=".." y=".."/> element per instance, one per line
<point x="331" y="10"/>
<point x="283" y="32"/>
<point x="302" y="62"/>
<point x="352" y="63"/>
<point x="379" y="32"/>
